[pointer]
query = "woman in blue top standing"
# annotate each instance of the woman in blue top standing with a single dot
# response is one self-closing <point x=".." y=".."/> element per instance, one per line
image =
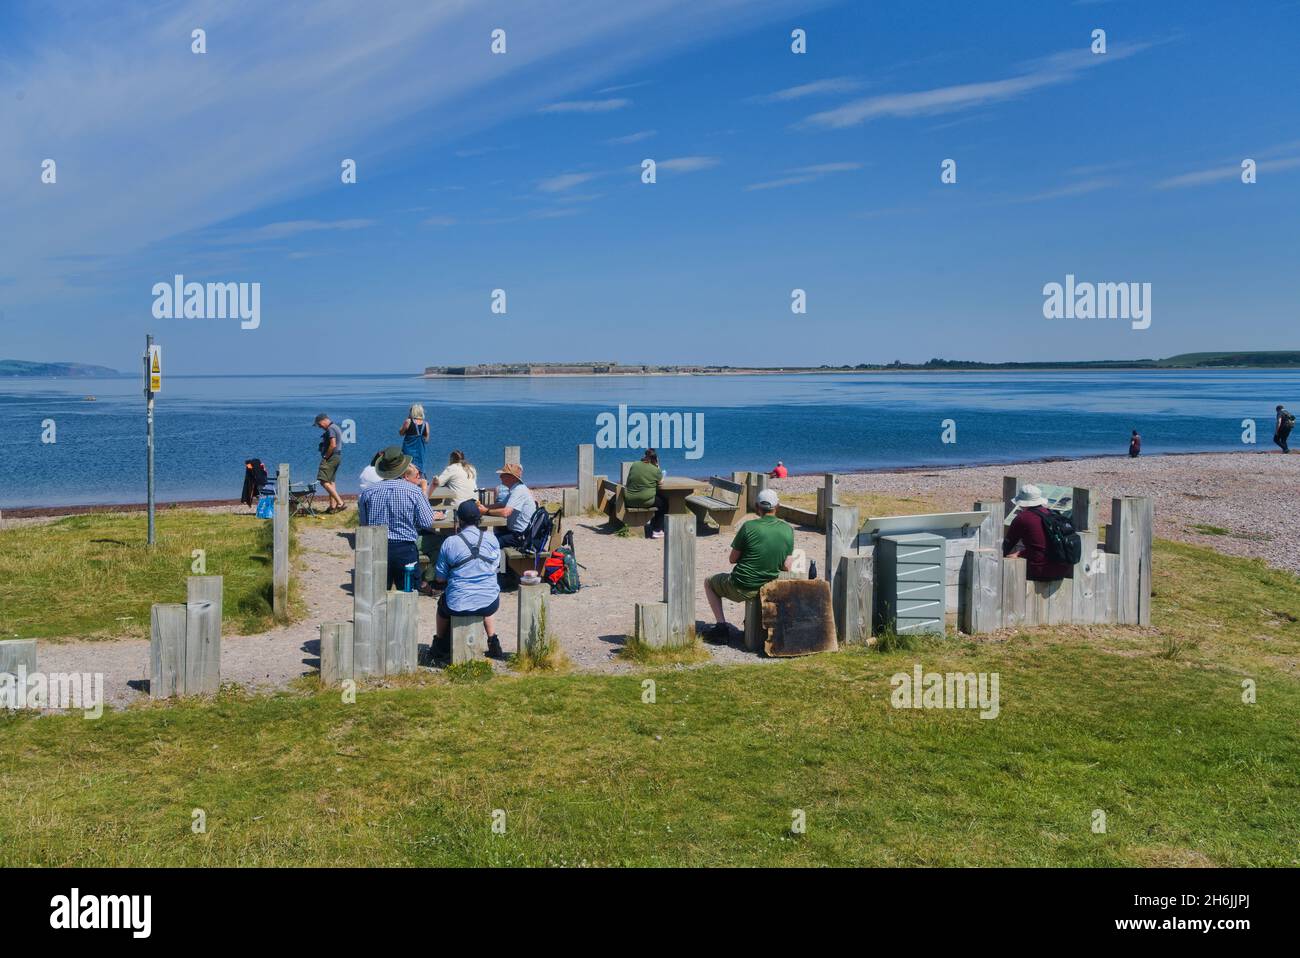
<point x="415" y="436"/>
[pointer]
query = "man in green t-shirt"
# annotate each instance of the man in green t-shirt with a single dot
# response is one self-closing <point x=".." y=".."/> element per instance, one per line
<point x="642" y="490"/>
<point x="761" y="551"/>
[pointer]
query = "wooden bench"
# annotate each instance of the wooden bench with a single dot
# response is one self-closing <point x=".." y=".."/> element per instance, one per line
<point x="519" y="562"/>
<point x="721" y="504"/>
<point x="621" y="513"/>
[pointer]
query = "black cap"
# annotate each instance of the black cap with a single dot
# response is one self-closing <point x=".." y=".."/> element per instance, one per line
<point x="468" y="512"/>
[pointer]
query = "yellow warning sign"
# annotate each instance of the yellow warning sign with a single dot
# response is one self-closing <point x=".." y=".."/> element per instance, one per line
<point x="155" y="369"/>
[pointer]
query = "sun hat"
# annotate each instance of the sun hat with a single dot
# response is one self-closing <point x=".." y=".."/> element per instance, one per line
<point x="1029" y="496"/>
<point x="468" y="512"/>
<point x="767" y="499"/>
<point x="320" y="418"/>
<point x="511" y="469"/>
<point x="392" y="463"/>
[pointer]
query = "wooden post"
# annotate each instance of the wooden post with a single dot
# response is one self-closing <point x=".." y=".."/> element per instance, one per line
<point x="402" y="624"/>
<point x="570" y="502"/>
<point x="826" y="497"/>
<point x="758" y="484"/>
<point x="15" y="653"/>
<point x="280" y="547"/>
<point x="166" y="649"/>
<point x="335" y="652"/>
<point x="625" y="469"/>
<point x="1081" y="511"/>
<point x="1013" y="593"/>
<point x="841" y="525"/>
<point x="468" y="640"/>
<point x="651" y="624"/>
<point x="679" y="577"/>
<point x="208" y="588"/>
<point x="511" y="455"/>
<point x="1010" y="486"/>
<point x="992" y="531"/>
<point x="532" y="603"/>
<point x="852" y="598"/>
<point x="586" y="476"/>
<point x="755" y="633"/>
<point x="202" y="649"/>
<point x="980" y="595"/>
<point x="369" y="601"/>
<point x="1129" y="538"/>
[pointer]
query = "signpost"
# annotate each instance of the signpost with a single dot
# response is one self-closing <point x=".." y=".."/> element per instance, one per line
<point x="152" y="385"/>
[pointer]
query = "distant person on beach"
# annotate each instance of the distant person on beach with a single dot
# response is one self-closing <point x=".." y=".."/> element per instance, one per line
<point x="458" y="478"/>
<point x="642" y="491"/>
<point x="331" y="455"/>
<point x="1134" y="445"/>
<point x="415" y="436"/>
<point x="780" y="472"/>
<point x="762" y="549"/>
<point x="370" y="475"/>
<point x="1282" y="428"/>
<point x="1027" y="533"/>
<point x="466" y="570"/>
<point x="399" y="502"/>
<point x="517" y="509"/>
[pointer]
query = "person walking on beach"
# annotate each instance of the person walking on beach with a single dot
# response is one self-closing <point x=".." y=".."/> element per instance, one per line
<point x="331" y="455"/>
<point x="458" y="478"/>
<point x="642" y="491"/>
<point x="762" y="549"/>
<point x="1134" y="445"/>
<point x="1282" y="428"/>
<point x="1027" y="532"/>
<point x="415" y="436"/>
<point x="518" y="508"/>
<point x="399" y="502"/>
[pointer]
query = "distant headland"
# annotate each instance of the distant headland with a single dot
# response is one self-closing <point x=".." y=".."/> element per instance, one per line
<point x="1266" y="359"/>
<point x="21" y="368"/>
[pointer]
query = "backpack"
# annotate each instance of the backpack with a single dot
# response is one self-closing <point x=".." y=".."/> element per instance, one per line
<point x="561" y="568"/>
<point x="1063" y="543"/>
<point x="538" y="534"/>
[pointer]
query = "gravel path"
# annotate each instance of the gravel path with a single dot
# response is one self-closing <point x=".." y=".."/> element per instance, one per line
<point x="1252" y="496"/>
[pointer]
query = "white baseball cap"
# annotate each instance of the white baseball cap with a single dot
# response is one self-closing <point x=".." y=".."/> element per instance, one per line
<point x="767" y="498"/>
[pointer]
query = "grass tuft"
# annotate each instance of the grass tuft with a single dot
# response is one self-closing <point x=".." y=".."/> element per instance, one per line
<point x="542" y="653"/>
<point x="634" y="650"/>
<point x="475" y="670"/>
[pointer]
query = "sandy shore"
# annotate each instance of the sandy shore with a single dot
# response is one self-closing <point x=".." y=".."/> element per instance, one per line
<point x="1251" y="496"/>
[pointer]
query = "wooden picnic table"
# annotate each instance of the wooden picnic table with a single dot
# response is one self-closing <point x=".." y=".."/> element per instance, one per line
<point x="448" y="521"/>
<point x="676" y="490"/>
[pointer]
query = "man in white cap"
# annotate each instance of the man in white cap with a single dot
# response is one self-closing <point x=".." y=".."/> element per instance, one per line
<point x="762" y="549"/>
<point x="1027" y="532"/>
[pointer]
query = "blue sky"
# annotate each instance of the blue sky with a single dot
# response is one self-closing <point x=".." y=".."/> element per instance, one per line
<point x="521" y="171"/>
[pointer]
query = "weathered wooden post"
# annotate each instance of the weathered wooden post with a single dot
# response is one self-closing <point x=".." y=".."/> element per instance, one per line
<point x="511" y="455"/>
<point x="468" y="640"/>
<point x="335" y="652"/>
<point x="1010" y="486"/>
<point x="569" y="500"/>
<point x="1081" y="509"/>
<point x="402" y="624"/>
<point x="586" y="476"/>
<point x="980" y="599"/>
<point x="15" y="653"/>
<point x="625" y="469"/>
<point x="826" y="497"/>
<point x="758" y="482"/>
<point x="166" y="649"/>
<point x="280" y="546"/>
<point x="1129" y="538"/>
<point x="853" y="598"/>
<point x="679" y="577"/>
<point x="841" y="525"/>
<point x="369" y="601"/>
<point x="651" y="624"/>
<point x="206" y="670"/>
<point x="532" y="609"/>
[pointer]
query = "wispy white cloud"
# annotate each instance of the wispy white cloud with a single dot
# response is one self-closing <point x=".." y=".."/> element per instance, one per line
<point x="440" y="221"/>
<point x="621" y="87"/>
<point x="804" y="174"/>
<point x="1079" y="188"/>
<point x="631" y="138"/>
<point x="587" y="106"/>
<point x="1050" y="71"/>
<point x="565" y="181"/>
<point x="288" y="228"/>
<point x="688" y="164"/>
<point x="815" y="88"/>
<point x="1230" y="171"/>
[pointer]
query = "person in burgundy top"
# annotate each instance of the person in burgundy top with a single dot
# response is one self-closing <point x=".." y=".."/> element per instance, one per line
<point x="1135" y="445"/>
<point x="1026" y="531"/>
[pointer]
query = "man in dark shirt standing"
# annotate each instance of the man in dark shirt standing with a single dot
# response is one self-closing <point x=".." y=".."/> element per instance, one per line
<point x="1026" y="531"/>
<point x="1134" y="445"/>
<point x="1282" y="428"/>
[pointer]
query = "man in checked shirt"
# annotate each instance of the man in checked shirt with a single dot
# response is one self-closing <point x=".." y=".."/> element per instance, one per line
<point x="399" y="502"/>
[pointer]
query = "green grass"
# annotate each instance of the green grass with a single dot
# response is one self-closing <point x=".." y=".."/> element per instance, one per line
<point x="1211" y="530"/>
<point x="711" y="772"/>
<point x="93" y="576"/>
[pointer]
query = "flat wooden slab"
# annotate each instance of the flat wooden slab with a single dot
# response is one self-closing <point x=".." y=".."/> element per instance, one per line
<point x="797" y="617"/>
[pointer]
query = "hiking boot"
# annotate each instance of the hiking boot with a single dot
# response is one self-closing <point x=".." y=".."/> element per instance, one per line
<point x="494" y="650"/>
<point x="717" y="634"/>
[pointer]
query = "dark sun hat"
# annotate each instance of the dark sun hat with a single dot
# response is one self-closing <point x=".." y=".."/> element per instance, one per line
<point x="392" y="463"/>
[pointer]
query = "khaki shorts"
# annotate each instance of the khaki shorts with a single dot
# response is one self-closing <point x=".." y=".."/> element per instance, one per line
<point x="724" y="587"/>
<point x="328" y="467"/>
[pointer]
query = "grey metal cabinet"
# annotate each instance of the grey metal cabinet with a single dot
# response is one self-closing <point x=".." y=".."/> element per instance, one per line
<point x="910" y="583"/>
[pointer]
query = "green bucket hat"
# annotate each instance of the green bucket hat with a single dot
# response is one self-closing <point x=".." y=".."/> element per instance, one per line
<point x="392" y="463"/>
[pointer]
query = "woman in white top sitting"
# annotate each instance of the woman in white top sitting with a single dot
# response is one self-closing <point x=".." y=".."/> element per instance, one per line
<point x="458" y="479"/>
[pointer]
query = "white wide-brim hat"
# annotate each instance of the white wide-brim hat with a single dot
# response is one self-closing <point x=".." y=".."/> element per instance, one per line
<point x="1030" y="496"/>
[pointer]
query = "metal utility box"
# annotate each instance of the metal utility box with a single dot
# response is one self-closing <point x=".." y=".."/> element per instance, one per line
<point x="910" y="583"/>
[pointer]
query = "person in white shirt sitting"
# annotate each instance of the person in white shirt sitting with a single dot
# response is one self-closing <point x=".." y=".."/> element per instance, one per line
<point x="458" y="478"/>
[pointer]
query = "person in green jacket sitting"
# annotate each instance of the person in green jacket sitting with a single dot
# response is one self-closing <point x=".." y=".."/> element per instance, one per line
<point x="642" y="491"/>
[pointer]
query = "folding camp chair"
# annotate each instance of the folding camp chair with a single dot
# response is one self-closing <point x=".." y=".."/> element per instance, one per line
<point x="302" y="497"/>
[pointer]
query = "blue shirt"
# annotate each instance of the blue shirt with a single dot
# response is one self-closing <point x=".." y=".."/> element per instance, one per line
<point x="397" y="504"/>
<point x="471" y="583"/>
<point x="521" y="501"/>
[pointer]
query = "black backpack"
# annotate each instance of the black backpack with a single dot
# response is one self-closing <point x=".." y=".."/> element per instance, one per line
<point x="1063" y="543"/>
<point x="537" y="537"/>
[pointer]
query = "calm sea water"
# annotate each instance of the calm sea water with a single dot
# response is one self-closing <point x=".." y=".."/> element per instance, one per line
<point x="207" y="426"/>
